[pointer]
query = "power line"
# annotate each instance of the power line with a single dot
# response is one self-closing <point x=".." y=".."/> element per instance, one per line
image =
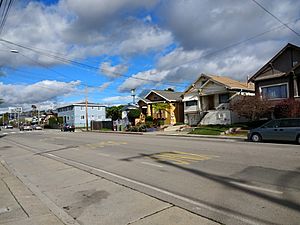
<point x="279" y="20"/>
<point x="83" y="65"/>
<point x="93" y="68"/>
<point x="5" y="14"/>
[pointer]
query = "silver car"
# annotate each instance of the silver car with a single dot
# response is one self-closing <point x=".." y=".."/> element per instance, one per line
<point x="277" y="130"/>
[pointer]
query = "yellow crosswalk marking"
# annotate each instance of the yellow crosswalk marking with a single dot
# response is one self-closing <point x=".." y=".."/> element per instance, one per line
<point x="179" y="157"/>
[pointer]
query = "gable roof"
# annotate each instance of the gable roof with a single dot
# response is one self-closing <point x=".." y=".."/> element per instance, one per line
<point x="232" y="84"/>
<point x="289" y="45"/>
<point x="168" y="95"/>
<point x="224" y="81"/>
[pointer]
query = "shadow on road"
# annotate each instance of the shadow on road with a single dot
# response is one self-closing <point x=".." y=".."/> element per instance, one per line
<point x="227" y="181"/>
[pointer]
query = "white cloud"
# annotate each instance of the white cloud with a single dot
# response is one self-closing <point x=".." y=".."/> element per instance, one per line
<point x="117" y="100"/>
<point x="145" y="38"/>
<point x="42" y="93"/>
<point x="104" y="86"/>
<point x="79" y="29"/>
<point x="142" y="78"/>
<point x="113" y="71"/>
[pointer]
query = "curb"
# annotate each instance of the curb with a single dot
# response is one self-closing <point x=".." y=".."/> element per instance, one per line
<point x="114" y="132"/>
<point x="205" y="136"/>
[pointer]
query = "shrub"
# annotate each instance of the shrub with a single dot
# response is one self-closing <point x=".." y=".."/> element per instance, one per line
<point x="149" y="119"/>
<point x="287" y="108"/>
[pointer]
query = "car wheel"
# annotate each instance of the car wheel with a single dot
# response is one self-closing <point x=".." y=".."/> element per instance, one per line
<point x="256" y="137"/>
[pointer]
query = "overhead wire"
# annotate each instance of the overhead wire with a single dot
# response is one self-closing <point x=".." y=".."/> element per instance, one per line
<point x="276" y="17"/>
<point x="5" y="14"/>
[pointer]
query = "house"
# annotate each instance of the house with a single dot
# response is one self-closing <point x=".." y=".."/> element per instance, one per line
<point x="75" y="114"/>
<point x="206" y="101"/>
<point x="279" y="78"/>
<point x="174" y="107"/>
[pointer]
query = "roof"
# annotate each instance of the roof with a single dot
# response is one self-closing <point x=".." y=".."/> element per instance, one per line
<point x="82" y="104"/>
<point x="168" y="95"/>
<point x="226" y="81"/>
<point x="289" y="45"/>
<point x="232" y="84"/>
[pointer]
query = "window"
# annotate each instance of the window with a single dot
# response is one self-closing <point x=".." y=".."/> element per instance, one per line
<point x="272" y="124"/>
<point x="81" y="108"/>
<point x="275" y="92"/>
<point x="223" y="98"/>
<point x="191" y="103"/>
<point x="92" y="107"/>
<point x="82" y="117"/>
<point x="98" y="108"/>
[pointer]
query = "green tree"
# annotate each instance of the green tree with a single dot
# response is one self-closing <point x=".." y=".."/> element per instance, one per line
<point x="114" y="112"/>
<point x="161" y="107"/>
<point x="134" y="113"/>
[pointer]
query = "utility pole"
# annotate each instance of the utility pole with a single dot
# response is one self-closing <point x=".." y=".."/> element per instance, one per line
<point x="86" y="109"/>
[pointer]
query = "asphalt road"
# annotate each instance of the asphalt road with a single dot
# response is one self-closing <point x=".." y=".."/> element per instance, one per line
<point x="231" y="182"/>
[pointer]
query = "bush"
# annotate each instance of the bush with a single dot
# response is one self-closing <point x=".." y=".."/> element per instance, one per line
<point x="149" y="119"/>
<point x="288" y="108"/>
<point x="149" y="124"/>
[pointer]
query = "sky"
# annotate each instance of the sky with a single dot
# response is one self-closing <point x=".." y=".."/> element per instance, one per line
<point x="56" y="52"/>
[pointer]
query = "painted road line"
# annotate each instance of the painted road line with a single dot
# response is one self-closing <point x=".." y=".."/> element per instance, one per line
<point x="162" y="191"/>
<point x="152" y="164"/>
<point x="256" y="187"/>
<point x="5" y="133"/>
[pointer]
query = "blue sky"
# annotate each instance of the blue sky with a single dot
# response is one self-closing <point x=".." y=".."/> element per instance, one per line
<point x="112" y="46"/>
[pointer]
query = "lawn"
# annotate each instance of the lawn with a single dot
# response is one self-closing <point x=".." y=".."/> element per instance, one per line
<point x="218" y="129"/>
<point x="210" y="130"/>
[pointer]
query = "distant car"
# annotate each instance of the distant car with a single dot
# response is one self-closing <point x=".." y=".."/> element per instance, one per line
<point x="25" y="127"/>
<point x="68" y="127"/>
<point x="277" y="130"/>
<point x="8" y="127"/>
<point x="37" y="127"/>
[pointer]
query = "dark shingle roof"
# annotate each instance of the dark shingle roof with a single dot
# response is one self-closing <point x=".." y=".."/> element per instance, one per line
<point x="169" y="95"/>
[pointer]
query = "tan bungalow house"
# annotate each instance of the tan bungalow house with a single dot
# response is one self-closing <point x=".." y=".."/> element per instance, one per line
<point x="279" y="78"/>
<point x="206" y="101"/>
<point x="174" y="110"/>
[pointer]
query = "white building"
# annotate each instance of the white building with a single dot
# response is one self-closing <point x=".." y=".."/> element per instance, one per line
<point x="75" y="114"/>
<point x="206" y="101"/>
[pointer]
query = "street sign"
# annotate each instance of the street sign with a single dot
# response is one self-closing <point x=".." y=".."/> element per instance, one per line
<point x="15" y="109"/>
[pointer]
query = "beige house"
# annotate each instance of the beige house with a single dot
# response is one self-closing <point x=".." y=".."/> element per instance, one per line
<point x="172" y="115"/>
<point x="206" y="101"/>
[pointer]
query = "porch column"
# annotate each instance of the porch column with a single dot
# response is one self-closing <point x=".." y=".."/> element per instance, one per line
<point x="296" y="91"/>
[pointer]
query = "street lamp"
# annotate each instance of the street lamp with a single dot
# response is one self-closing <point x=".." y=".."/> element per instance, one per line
<point x="14" y="51"/>
<point x="133" y="95"/>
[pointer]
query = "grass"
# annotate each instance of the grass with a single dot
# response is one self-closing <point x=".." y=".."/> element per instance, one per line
<point x="216" y="130"/>
<point x="209" y="130"/>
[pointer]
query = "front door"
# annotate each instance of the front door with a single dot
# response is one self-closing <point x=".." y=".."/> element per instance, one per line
<point x="211" y="102"/>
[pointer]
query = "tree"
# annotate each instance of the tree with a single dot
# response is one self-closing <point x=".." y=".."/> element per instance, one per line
<point x="287" y="108"/>
<point x="251" y="107"/>
<point x="169" y="89"/>
<point x="114" y="112"/>
<point x="161" y="107"/>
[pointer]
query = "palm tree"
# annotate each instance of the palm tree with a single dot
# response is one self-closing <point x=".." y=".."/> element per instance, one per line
<point x="161" y="107"/>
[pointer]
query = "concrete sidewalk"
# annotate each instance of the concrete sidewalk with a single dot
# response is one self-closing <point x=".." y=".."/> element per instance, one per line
<point x="76" y="197"/>
<point x="18" y="205"/>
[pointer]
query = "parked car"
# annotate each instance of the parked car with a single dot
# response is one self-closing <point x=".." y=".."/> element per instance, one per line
<point x="8" y="127"/>
<point x="25" y="127"/>
<point x="277" y="130"/>
<point x="67" y="127"/>
<point x="36" y="127"/>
